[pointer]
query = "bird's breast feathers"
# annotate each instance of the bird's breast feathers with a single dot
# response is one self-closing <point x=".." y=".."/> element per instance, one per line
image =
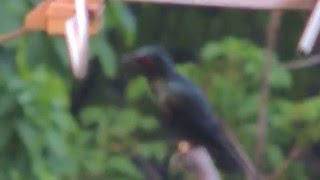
<point x="170" y="93"/>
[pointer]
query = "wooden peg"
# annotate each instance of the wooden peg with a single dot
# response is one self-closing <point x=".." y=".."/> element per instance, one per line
<point x="51" y="16"/>
<point x="36" y="19"/>
<point x="60" y="11"/>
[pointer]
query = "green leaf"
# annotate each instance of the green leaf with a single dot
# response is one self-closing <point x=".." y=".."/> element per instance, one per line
<point x="122" y="167"/>
<point x="280" y="77"/>
<point x="119" y="15"/>
<point x="136" y="89"/>
<point x="61" y="49"/>
<point x="275" y="155"/>
<point x="6" y="131"/>
<point x="156" y="149"/>
<point x="21" y="59"/>
<point x="31" y="138"/>
<point x="106" y="55"/>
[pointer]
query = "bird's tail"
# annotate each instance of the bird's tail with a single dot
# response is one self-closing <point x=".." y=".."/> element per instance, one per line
<point x="230" y="156"/>
<point x="225" y="157"/>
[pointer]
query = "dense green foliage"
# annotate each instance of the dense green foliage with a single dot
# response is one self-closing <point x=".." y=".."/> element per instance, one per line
<point x="41" y="139"/>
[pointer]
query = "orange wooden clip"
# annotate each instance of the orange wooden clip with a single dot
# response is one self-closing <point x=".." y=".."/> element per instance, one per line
<point x="75" y="19"/>
<point x="51" y="16"/>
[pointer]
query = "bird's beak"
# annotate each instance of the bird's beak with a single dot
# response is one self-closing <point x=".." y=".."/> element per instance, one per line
<point x="129" y="62"/>
<point x="127" y="58"/>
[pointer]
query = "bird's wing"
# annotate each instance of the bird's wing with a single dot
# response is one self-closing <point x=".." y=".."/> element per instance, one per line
<point x="193" y="116"/>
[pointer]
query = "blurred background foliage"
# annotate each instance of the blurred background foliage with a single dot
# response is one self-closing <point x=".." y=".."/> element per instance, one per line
<point x="104" y="127"/>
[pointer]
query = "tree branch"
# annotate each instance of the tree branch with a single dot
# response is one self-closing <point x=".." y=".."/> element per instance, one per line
<point x="249" y="169"/>
<point x="303" y="63"/>
<point x="295" y="152"/>
<point x="13" y="35"/>
<point x="271" y="42"/>
<point x="197" y="160"/>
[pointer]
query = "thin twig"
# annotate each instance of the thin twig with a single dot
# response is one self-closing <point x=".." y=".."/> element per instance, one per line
<point x="250" y="170"/>
<point x="303" y="63"/>
<point x="271" y="42"/>
<point x="293" y="155"/>
<point x="13" y="35"/>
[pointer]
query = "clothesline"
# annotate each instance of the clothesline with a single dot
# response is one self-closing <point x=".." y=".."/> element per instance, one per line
<point x="243" y="4"/>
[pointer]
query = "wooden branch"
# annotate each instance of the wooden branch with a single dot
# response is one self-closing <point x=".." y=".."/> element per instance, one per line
<point x="13" y="35"/>
<point x="197" y="161"/>
<point x="303" y="63"/>
<point x="247" y="4"/>
<point x="271" y="42"/>
<point x="295" y="152"/>
<point x="249" y="169"/>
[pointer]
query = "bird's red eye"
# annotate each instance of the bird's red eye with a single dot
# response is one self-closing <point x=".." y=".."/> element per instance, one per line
<point x="147" y="59"/>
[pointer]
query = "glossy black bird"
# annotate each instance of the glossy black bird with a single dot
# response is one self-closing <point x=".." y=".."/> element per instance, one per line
<point x="186" y="112"/>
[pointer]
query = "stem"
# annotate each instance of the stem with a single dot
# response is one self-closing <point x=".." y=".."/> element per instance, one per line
<point x="271" y="43"/>
<point x="13" y="35"/>
<point x="293" y="155"/>
<point x="303" y="63"/>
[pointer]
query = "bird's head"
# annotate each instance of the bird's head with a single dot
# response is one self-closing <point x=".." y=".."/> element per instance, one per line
<point x="150" y="61"/>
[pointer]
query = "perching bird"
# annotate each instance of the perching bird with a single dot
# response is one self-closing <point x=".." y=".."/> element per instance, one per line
<point x="186" y="111"/>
